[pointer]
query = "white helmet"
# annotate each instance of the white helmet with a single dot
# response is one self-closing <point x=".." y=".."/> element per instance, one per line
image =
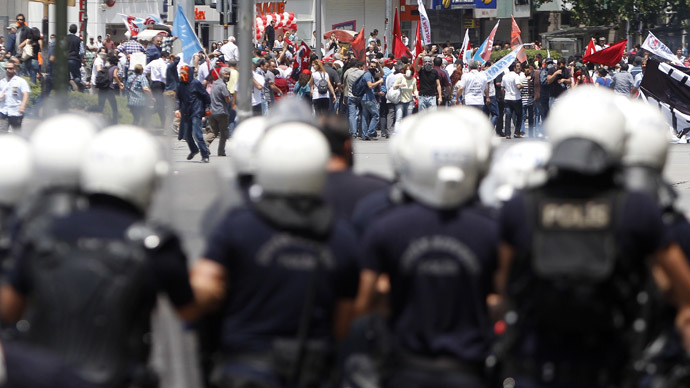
<point x="243" y="144"/>
<point x="292" y="160"/>
<point x="647" y="133"/>
<point x="520" y="166"/>
<point x="439" y="162"/>
<point x="483" y="132"/>
<point x="16" y="169"/>
<point x="58" y="145"/>
<point x="587" y="131"/>
<point x="397" y="140"/>
<point x="123" y="161"/>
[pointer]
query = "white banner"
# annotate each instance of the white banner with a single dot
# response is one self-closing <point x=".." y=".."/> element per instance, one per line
<point x="656" y="47"/>
<point x="426" y="26"/>
<point x="499" y="67"/>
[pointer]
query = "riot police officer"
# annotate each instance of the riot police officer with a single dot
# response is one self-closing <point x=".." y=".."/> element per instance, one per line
<point x="88" y="279"/>
<point x="16" y="170"/>
<point x="665" y="361"/>
<point x="439" y="252"/>
<point x="281" y="269"/>
<point x="573" y="257"/>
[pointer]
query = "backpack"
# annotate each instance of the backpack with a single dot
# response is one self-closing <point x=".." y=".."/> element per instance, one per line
<point x="360" y="87"/>
<point x="98" y="285"/>
<point x="575" y="288"/>
<point x="322" y="85"/>
<point x="103" y="78"/>
<point x="542" y="77"/>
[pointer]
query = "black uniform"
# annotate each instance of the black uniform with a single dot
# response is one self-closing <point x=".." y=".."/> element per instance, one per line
<point x="103" y="267"/>
<point x="273" y="261"/>
<point x="581" y="245"/>
<point x="28" y="367"/>
<point x="440" y="265"/>
<point x="345" y="188"/>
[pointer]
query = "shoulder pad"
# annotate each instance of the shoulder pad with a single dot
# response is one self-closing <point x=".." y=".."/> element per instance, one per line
<point x="149" y="236"/>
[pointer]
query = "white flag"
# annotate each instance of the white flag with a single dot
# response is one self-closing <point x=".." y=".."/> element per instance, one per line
<point x="656" y="47"/>
<point x="426" y="26"/>
<point x="465" y="43"/>
<point x="501" y="65"/>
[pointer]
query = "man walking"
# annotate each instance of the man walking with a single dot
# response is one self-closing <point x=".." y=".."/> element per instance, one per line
<point x="14" y="94"/>
<point x="474" y="88"/>
<point x="157" y="69"/>
<point x="193" y="101"/>
<point x="512" y="84"/>
<point x="370" y="107"/>
<point x="430" y="94"/>
<point x="353" y="103"/>
<point x="230" y="50"/>
<point x="75" y="55"/>
<point x="218" y="120"/>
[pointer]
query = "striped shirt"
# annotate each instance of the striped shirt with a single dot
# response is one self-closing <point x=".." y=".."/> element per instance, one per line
<point x="527" y="91"/>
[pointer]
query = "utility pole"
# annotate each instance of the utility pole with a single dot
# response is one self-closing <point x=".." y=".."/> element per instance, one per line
<point x="317" y="17"/>
<point x="245" y="32"/>
<point x="60" y="76"/>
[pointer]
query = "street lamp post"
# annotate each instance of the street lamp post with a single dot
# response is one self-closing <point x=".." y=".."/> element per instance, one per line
<point x="245" y="32"/>
<point x="317" y="17"/>
<point x="60" y="72"/>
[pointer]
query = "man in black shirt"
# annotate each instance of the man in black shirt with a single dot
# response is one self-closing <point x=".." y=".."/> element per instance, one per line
<point x="75" y="54"/>
<point x="430" y="92"/>
<point x="558" y="79"/>
<point x="270" y="35"/>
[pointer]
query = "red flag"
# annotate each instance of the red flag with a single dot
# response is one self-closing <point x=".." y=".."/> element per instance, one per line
<point x="516" y="40"/>
<point x="418" y="46"/>
<point x="591" y="49"/>
<point x="301" y="60"/>
<point x="288" y="42"/>
<point x="358" y="46"/>
<point x="609" y="56"/>
<point x="399" y="49"/>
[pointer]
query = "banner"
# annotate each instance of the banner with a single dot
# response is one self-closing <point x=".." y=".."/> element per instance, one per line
<point x="424" y="20"/>
<point x="499" y="67"/>
<point x="135" y="25"/>
<point x="516" y="40"/>
<point x="656" y="47"/>
<point x="185" y="33"/>
<point x="668" y="87"/>
<point x="465" y="43"/>
<point x="483" y="54"/>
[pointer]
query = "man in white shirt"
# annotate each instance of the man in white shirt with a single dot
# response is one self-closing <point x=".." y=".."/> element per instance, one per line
<point x="229" y="50"/>
<point x="14" y="94"/>
<point x="474" y="88"/>
<point x="156" y="70"/>
<point x="258" y="96"/>
<point x="511" y="85"/>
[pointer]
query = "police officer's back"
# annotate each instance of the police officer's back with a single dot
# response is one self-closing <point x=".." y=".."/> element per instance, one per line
<point x="573" y="256"/>
<point x="90" y="277"/>
<point x="665" y="359"/>
<point x="439" y="252"/>
<point x="280" y="268"/>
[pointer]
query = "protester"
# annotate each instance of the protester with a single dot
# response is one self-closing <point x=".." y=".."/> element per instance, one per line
<point x="138" y="96"/>
<point x="322" y="89"/>
<point x="193" y="101"/>
<point x="14" y="95"/>
<point x="220" y="103"/>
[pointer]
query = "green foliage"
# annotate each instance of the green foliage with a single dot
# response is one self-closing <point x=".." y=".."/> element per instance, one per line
<point x="34" y="93"/>
<point x="615" y="12"/>
<point x="531" y="53"/>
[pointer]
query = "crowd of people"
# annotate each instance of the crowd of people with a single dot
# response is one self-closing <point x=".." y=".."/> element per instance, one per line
<point x="544" y="264"/>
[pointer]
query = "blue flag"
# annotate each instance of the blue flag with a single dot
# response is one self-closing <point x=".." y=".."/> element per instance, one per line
<point x="185" y="33"/>
<point x="480" y="50"/>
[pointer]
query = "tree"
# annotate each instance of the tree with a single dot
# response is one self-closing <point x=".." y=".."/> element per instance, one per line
<point x="616" y="12"/>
